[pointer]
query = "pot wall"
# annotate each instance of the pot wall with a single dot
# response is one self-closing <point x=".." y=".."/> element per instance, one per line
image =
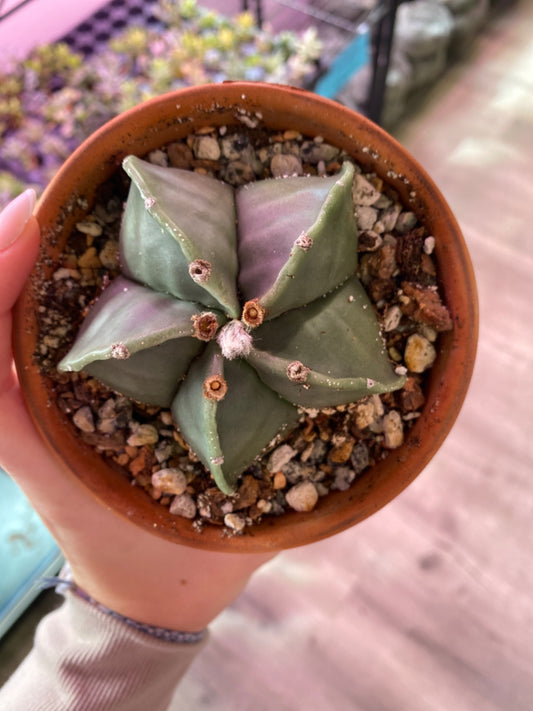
<point x="169" y="118"/>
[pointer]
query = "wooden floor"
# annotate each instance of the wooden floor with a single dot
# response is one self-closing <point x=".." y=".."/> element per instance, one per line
<point x="427" y="606"/>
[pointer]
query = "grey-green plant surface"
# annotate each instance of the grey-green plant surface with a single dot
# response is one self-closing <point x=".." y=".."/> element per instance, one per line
<point x="235" y="308"/>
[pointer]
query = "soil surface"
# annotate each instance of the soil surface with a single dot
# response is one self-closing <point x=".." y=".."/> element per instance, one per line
<point x="330" y="447"/>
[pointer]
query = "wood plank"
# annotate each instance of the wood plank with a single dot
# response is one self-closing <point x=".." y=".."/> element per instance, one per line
<point x="426" y="606"/>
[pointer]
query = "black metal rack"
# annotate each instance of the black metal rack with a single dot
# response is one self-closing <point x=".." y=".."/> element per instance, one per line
<point x="381" y="20"/>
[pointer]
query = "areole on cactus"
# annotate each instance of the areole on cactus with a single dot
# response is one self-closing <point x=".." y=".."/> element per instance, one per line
<point x="235" y="308"/>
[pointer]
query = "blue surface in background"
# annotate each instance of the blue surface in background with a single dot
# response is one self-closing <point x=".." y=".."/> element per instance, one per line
<point x="27" y="552"/>
<point x="353" y="57"/>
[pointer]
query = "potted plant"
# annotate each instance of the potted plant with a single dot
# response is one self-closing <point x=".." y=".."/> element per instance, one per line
<point x="227" y="314"/>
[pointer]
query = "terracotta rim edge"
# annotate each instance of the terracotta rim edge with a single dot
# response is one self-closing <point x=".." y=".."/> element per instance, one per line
<point x="355" y="134"/>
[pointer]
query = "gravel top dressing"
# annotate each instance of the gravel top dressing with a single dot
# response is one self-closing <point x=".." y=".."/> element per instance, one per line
<point x="329" y="447"/>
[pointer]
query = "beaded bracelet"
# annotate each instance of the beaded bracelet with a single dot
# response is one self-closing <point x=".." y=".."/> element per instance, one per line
<point x="64" y="582"/>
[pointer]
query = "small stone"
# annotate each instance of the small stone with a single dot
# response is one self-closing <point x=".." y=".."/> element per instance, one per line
<point x="89" y="228"/>
<point x="368" y="411"/>
<point x="232" y="147"/>
<point x="393" y="429"/>
<point x="317" y="452"/>
<point x="302" y="497"/>
<point x="360" y="458"/>
<point x="264" y="506"/>
<point x="363" y="192"/>
<point x="411" y="396"/>
<point x="158" y="157"/>
<point x="247" y="494"/>
<point x="89" y="259"/>
<point x="109" y="254"/>
<point x="66" y="273"/>
<point x="388" y="217"/>
<point x="84" y="419"/>
<point x="141" y="466"/>
<point x="283" y="164"/>
<point x="279" y="481"/>
<point x="369" y="241"/>
<point x="163" y="452"/>
<point x="366" y="217"/>
<point x="170" y="481"/>
<point x="144" y="434"/>
<point x="281" y="456"/>
<point x="419" y="354"/>
<point x="296" y="471"/>
<point x="235" y="521"/>
<point x="406" y="222"/>
<point x="239" y="173"/>
<point x="183" y="505"/>
<point x="344" y="476"/>
<point x="180" y="156"/>
<point x="392" y="318"/>
<point x="206" y="148"/>
<point x="166" y="417"/>
<point x="429" y="244"/>
<point x="341" y="453"/>
<point x="107" y="425"/>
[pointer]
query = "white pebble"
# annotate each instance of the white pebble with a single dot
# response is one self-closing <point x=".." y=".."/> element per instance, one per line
<point x="429" y="244"/>
<point x="393" y="429"/>
<point x="392" y="318"/>
<point x="64" y="273"/>
<point x="235" y="521"/>
<point x="89" y="228"/>
<point x="302" y="497"/>
<point x="158" y="157"/>
<point x="170" y="481"/>
<point x="83" y="419"/>
<point x="207" y="148"/>
<point x="183" y="505"/>
<point x="363" y="192"/>
<point x="281" y="456"/>
<point x="366" y="217"/>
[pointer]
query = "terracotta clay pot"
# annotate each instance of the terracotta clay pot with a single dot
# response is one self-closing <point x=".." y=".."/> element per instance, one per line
<point x="169" y="118"/>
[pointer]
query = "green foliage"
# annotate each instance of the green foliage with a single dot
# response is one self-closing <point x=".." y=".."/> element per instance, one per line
<point x="51" y="101"/>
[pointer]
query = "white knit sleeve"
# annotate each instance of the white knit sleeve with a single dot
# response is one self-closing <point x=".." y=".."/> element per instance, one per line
<point x="85" y="660"/>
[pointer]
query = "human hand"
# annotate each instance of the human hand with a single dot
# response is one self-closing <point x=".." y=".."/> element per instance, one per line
<point x="125" y="568"/>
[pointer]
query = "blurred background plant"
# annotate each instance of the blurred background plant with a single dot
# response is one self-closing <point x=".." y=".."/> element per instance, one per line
<point x="51" y="101"/>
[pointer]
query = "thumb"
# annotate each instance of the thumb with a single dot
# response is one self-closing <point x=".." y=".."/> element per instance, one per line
<point x="19" y="244"/>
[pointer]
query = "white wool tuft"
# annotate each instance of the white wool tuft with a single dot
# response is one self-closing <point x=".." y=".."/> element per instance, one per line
<point x="234" y="340"/>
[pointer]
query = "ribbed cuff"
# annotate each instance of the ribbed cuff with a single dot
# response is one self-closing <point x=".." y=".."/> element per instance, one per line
<point x="87" y="660"/>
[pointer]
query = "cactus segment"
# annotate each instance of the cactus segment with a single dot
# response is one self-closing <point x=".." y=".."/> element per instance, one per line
<point x="297" y="239"/>
<point x="161" y="245"/>
<point x="137" y="341"/>
<point x="235" y="308"/>
<point x="228" y="434"/>
<point x="337" y="339"/>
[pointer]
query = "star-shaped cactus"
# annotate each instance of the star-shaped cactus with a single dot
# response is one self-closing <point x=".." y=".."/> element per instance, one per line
<point x="235" y="308"/>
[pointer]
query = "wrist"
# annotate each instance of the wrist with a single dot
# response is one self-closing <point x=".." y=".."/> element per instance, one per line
<point x="65" y="583"/>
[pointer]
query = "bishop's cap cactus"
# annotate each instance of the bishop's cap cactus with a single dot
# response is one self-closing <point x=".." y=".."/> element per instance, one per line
<point x="235" y="308"/>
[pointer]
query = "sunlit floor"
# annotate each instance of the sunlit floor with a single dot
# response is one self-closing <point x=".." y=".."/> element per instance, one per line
<point x="428" y="605"/>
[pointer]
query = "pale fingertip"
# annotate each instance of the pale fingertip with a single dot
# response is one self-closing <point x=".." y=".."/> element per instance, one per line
<point x="14" y="218"/>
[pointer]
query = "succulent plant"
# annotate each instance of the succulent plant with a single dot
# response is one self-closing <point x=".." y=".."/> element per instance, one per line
<point x="235" y="308"/>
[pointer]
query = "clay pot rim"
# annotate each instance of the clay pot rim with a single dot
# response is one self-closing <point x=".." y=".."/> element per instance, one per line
<point x="137" y="131"/>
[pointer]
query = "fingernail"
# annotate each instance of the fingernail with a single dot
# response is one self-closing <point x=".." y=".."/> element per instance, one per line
<point x="14" y="217"/>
